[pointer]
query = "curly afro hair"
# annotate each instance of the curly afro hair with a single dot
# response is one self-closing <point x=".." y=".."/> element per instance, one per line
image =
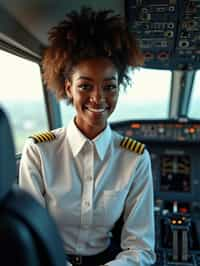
<point x="88" y="34"/>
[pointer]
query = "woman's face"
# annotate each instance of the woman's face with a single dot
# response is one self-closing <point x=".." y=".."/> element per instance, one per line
<point x="93" y="89"/>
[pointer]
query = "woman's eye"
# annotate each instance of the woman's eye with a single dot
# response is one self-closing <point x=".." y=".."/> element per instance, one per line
<point x="110" y="87"/>
<point x="84" y="87"/>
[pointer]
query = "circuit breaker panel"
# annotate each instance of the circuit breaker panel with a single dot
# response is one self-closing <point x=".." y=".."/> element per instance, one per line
<point x="168" y="32"/>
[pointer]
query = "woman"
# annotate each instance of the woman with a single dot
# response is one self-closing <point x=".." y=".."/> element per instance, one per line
<point x="86" y="174"/>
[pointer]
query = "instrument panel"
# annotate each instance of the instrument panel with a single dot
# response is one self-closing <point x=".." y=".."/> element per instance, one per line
<point x="168" y="32"/>
<point x="175" y="173"/>
<point x="160" y="131"/>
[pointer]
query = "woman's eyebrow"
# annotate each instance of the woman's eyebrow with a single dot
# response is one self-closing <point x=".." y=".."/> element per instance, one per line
<point x="90" y="79"/>
<point x="86" y="78"/>
<point x="110" y="78"/>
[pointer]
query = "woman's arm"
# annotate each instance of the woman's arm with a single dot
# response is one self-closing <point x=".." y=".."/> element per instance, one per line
<point x="137" y="237"/>
<point x="30" y="174"/>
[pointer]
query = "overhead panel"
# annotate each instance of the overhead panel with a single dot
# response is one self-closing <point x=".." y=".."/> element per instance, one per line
<point x="168" y="32"/>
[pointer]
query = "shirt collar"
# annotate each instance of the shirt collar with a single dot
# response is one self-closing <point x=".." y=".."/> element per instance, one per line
<point x="75" y="137"/>
<point x="77" y="140"/>
<point x="102" y="142"/>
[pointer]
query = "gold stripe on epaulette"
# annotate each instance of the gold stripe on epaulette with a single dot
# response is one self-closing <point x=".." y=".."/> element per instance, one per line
<point x="132" y="145"/>
<point x="43" y="137"/>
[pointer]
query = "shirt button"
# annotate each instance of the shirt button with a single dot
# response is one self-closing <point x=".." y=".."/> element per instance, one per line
<point x="87" y="203"/>
<point x="89" y="178"/>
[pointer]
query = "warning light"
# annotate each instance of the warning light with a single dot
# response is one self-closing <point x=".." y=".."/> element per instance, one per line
<point x="135" y="125"/>
<point x="183" y="209"/>
<point x="191" y="130"/>
<point x="178" y="125"/>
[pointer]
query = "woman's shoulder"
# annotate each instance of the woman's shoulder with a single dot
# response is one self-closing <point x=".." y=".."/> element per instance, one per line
<point x="128" y="144"/>
<point x="48" y="136"/>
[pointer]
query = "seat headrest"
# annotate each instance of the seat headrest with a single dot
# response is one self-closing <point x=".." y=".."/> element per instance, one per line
<point x="8" y="169"/>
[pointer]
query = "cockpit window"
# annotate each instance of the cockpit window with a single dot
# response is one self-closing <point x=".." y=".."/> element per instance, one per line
<point x="194" y="110"/>
<point x="148" y="98"/>
<point x="21" y="96"/>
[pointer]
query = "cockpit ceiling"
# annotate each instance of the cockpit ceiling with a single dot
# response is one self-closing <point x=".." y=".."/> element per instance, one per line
<point x="37" y="16"/>
<point x="167" y="30"/>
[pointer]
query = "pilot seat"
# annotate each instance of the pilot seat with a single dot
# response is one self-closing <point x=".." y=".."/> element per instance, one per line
<point x="28" y="234"/>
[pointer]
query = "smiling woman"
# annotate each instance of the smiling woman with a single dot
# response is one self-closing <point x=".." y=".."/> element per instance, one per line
<point x="80" y="172"/>
<point x="91" y="169"/>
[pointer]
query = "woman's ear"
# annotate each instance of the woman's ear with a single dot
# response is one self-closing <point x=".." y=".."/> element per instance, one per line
<point x="68" y="86"/>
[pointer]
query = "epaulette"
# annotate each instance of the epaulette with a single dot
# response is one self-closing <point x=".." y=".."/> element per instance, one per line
<point x="43" y="137"/>
<point x="132" y="145"/>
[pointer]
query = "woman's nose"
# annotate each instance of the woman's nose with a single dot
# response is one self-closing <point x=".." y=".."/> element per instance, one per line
<point x="97" y="95"/>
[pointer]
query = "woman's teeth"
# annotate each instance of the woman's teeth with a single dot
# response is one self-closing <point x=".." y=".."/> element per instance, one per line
<point x="96" y="110"/>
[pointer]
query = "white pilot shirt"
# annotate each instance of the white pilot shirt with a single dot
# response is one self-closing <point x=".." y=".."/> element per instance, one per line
<point x="86" y="185"/>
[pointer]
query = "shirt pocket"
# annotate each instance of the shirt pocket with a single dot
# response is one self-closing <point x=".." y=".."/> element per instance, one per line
<point x="109" y="208"/>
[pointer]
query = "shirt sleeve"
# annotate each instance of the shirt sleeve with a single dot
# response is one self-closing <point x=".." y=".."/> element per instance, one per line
<point x="30" y="173"/>
<point x="137" y="238"/>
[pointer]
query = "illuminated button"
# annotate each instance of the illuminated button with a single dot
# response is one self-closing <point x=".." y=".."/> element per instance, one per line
<point x="173" y="221"/>
<point x="191" y="130"/>
<point x="180" y="222"/>
<point x="161" y="130"/>
<point x="183" y="210"/>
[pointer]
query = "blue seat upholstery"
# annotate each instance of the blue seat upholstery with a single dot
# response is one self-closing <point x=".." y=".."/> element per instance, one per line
<point x="28" y="235"/>
<point x="7" y="156"/>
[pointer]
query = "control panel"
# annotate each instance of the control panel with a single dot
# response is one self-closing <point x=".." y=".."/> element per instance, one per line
<point x="175" y="173"/>
<point x="158" y="131"/>
<point x="168" y="32"/>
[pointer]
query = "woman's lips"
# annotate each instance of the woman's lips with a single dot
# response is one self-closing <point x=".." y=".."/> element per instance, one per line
<point x="96" y="110"/>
